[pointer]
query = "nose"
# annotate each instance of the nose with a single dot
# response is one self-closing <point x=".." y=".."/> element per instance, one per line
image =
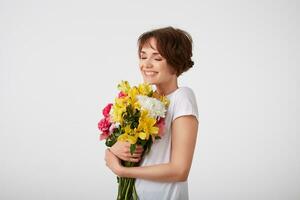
<point x="148" y="63"/>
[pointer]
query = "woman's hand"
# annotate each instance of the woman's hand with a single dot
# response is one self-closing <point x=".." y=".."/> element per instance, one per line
<point x="122" y="151"/>
<point x="113" y="162"/>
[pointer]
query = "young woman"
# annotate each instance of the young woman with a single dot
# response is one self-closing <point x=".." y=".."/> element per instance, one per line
<point x="164" y="55"/>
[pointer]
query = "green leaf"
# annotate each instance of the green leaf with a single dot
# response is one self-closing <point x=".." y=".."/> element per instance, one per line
<point x="150" y="94"/>
<point x="143" y="142"/>
<point x="157" y="137"/>
<point x="132" y="148"/>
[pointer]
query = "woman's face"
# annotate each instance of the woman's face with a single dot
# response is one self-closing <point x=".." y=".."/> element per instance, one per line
<point x="154" y="67"/>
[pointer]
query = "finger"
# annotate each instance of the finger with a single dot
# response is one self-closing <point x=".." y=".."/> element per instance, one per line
<point x="107" y="151"/>
<point x="124" y="158"/>
<point x="139" y="151"/>
<point x="136" y="155"/>
<point x="128" y="155"/>
<point x="139" y="148"/>
<point x="126" y="150"/>
<point x="131" y="158"/>
<point x="127" y="144"/>
<point x="134" y="160"/>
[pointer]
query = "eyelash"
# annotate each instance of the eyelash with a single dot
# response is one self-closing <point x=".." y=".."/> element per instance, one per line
<point x="157" y="59"/>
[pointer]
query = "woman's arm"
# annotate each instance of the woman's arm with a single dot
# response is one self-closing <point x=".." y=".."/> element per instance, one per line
<point x="184" y="135"/>
<point x="122" y="150"/>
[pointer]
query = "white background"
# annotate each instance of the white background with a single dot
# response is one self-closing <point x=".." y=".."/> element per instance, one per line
<point x="60" y="62"/>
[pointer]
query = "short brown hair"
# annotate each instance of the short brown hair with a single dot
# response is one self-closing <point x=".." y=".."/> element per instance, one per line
<point x="174" y="44"/>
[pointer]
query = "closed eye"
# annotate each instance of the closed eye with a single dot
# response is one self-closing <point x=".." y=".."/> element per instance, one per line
<point x="157" y="59"/>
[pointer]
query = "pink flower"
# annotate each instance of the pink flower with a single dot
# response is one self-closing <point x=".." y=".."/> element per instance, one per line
<point x="104" y="125"/>
<point x="121" y="94"/>
<point x="106" y="110"/>
<point x="104" y="135"/>
<point x="111" y="128"/>
<point x="161" y="125"/>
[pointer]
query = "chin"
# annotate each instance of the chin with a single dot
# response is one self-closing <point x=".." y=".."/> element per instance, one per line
<point x="150" y="81"/>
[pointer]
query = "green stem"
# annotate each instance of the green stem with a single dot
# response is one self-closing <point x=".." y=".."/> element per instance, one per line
<point x="135" y="196"/>
<point x="124" y="188"/>
<point x="128" y="191"/>
<point x="120" y="188"/>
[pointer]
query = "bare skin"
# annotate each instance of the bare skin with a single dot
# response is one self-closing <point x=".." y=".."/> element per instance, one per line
<point x="155" y="70"/>
<point x="184" y="135"/>
<point x="122" y="151"/>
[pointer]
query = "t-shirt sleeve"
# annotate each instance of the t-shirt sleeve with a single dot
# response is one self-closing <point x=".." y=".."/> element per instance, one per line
<point x="185" y="104"/>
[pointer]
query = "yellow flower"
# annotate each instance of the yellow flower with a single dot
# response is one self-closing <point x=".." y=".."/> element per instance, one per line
<point x="133" y="92"/>
<point x="128" y="130"/>
<point x="162" y="98"/>
<point x="145" y="89"/>
<point x="146" y="126"/>
<point x="117" y="114"/>
<point x="122" y="109"/>
<point x="124" y="86"/>
<point x="119" y="108"/>
<point x="133" y="101"/>
<point x="165" y="100"/>
<point x="136" y="105"/>
<point x="122" y="138"/>
<point x="142" y="135"/>
<point x="132" y="139"/>
<point x="129" y="135"/>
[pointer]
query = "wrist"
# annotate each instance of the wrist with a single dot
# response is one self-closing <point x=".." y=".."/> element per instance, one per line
<point x="120" y="170"/>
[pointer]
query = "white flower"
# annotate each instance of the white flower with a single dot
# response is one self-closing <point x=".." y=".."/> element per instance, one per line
<point x="152" y="105"/>
<point x="114" y="126"/>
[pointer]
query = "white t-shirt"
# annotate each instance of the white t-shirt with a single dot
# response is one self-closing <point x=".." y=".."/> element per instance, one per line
<point x="182" y="102"/>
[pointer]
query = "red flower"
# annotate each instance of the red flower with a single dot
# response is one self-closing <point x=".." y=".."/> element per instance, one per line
<point x="121" y="94"/>
<point x="104" y="135"/>
<point x="104" y="125"/>
<point x="161" y="125"/>
<point x="106" y="110"/>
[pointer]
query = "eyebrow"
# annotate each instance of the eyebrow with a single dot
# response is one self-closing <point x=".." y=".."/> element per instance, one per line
<point x="155" y="53"/>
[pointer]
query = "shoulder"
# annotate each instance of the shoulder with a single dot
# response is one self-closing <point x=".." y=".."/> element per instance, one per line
<point x="186" y="93"/>
<point x="185" y="103"/>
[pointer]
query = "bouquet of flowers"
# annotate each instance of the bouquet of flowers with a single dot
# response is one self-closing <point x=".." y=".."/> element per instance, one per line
<point x="137" y="116"/>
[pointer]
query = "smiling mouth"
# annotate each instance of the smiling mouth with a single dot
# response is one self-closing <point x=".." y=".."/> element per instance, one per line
<point x="150" y="73"/>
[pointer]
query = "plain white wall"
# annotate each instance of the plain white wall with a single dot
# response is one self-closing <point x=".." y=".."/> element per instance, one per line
<point x="60" y="62"/>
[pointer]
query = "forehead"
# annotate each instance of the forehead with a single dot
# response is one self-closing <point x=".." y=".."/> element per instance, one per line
<point x="149" y="46"/>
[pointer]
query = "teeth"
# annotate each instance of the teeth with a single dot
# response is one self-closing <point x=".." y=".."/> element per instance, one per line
<point x="150" y="73"/>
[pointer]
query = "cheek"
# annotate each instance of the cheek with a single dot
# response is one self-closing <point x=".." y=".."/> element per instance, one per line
<point x="141" y="64"/>
<point x="170" y="70"/>
<point x="141" y="70"/>
<point x="167" y="71"/>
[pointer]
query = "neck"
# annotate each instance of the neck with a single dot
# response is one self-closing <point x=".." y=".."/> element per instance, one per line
<point x="167" y="87"/>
